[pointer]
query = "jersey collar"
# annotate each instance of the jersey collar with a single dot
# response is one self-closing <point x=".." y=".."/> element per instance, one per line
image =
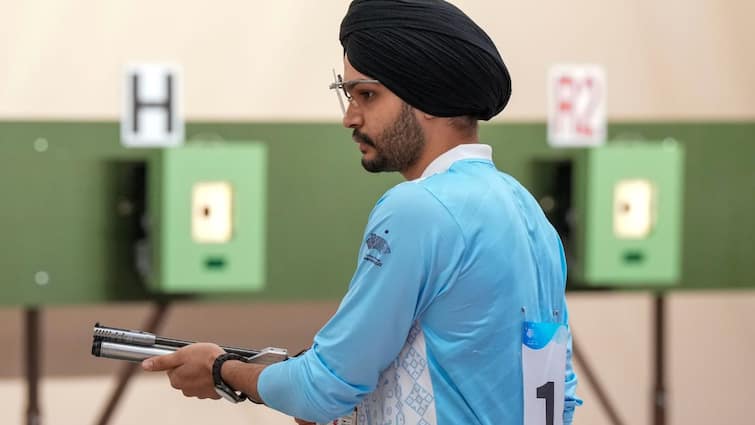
<point x="458" y="153"/>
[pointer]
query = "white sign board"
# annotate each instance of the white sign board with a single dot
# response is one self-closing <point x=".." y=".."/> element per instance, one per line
<point x="152" y="113"/>
<point x="576" y="106"/>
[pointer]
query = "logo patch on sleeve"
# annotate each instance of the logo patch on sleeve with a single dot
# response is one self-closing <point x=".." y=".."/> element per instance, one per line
<point x="377" y="248"/>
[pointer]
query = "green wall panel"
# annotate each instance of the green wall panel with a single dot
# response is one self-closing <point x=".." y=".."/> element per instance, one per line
<point x="65" y="210"/>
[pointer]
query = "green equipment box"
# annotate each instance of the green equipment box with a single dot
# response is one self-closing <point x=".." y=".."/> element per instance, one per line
<point x="206" y="205"/>
<point x="628" y="213"/>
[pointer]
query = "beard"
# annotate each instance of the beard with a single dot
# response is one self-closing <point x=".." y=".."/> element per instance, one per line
<point x="398" y="147"/>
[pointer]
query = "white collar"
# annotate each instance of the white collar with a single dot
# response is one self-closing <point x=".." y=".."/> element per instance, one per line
<point x="463" y="151"/>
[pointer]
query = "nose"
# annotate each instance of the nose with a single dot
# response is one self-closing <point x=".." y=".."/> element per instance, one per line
<point x="353" y="117"/>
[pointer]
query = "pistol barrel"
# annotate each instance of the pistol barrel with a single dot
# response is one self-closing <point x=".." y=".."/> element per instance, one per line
<point x="134" y="353"/>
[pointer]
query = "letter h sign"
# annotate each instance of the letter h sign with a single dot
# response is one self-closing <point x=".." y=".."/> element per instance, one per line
<point x="152" y="114"/>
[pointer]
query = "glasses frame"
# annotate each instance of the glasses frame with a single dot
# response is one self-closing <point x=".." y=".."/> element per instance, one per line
<point x="342" y="86"/>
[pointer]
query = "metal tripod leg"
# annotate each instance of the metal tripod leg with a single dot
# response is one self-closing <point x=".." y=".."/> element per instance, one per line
<point x="659" y="393"/>
<point x="592" y="379"/>
<point x="31" y="354"/>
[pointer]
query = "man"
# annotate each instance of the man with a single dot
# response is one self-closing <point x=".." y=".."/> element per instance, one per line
<point x="456" y="312"/>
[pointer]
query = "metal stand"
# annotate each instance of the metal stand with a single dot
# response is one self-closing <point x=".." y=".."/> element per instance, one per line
<point x="31" y="354"/>
<point x="659" y="396"/>
<point x="128" y="370"/>
<point x="659" y="392"/>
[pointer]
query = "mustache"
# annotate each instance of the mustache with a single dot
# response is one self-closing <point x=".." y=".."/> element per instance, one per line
<point x="361" y="137"/>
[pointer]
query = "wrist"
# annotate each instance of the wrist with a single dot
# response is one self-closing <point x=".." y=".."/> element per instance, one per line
<point x="243" y="377"/>
<point x="223" y="387"/>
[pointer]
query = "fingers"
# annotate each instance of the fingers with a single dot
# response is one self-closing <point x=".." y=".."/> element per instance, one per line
<point x="189" y="369"/>
<point x="174" y="379"/>
<point x="161" y="363"/>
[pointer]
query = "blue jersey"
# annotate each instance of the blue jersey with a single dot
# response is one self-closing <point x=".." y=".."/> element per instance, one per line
<point x="430" y="330"/>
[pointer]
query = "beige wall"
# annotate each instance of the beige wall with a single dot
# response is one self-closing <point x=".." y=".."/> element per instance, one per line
<point x="271" y="60"/>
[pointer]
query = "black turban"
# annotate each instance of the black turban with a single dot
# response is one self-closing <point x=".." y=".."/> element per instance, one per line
<point x="429" y="53"/>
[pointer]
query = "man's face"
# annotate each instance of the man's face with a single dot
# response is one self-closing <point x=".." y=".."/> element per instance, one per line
<point x="386" y="128"/>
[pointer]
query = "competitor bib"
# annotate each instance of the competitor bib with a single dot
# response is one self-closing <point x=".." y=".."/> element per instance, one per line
<point x="543" y="372"/>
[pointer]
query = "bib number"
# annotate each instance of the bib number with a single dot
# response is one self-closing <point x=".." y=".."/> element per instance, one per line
<point x="543" y="371"/>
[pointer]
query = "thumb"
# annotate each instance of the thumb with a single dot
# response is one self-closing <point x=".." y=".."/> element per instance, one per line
<point x="161" y="363"/>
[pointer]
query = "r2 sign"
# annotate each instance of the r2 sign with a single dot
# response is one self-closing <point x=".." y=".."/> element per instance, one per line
<point x="576" y="106"/>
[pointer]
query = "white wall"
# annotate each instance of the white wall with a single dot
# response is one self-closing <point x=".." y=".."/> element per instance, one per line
<point x="271" y="60"/>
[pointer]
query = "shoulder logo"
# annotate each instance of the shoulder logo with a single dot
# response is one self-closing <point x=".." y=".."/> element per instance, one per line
<point x="377" y="248"/>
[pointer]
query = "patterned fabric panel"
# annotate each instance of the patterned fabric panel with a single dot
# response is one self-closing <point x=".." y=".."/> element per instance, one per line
<point x="404" y="395"/>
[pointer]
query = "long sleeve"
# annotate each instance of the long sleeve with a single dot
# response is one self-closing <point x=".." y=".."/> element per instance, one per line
<point x="571" y="401"/>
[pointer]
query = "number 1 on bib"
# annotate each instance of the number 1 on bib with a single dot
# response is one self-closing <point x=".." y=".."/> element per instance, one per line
<point x="543" y="372"/>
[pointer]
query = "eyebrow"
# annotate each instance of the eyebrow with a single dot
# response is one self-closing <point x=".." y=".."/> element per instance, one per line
<point x="350" y="84"/>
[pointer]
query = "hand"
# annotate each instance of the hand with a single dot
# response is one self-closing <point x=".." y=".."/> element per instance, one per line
<point x="189" y="369"/>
